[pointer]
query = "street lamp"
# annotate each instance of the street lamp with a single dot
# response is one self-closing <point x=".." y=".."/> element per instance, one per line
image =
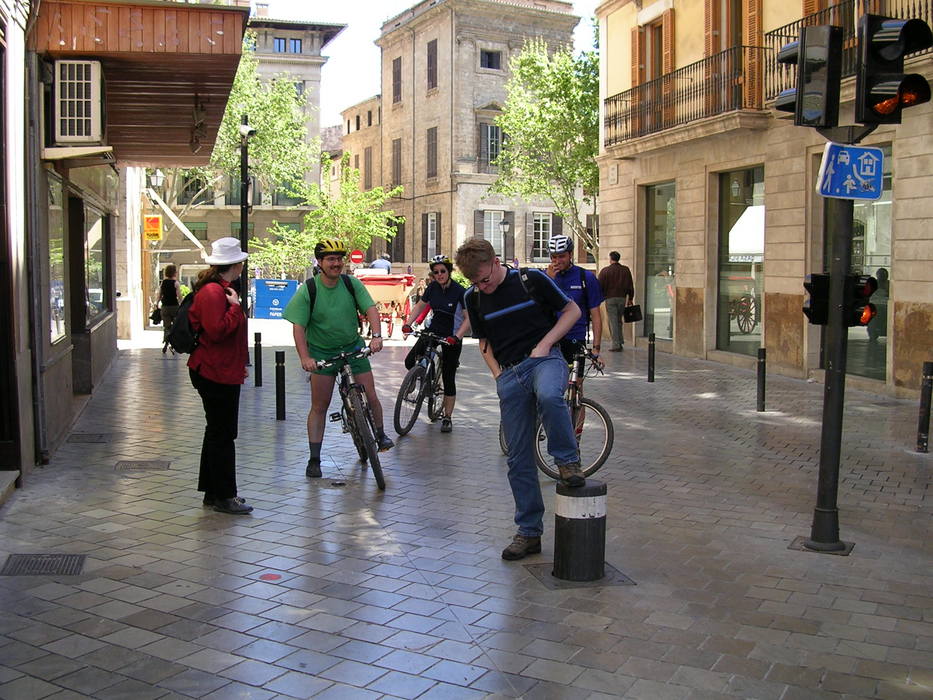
<point x="156" y="178"/>
<point x="246" y="133"/>
<point x="504" y="226"/>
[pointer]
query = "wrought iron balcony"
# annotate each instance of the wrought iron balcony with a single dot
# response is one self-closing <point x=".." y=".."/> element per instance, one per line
<point x="726" y="82"/>
<point x="844" y="14"/>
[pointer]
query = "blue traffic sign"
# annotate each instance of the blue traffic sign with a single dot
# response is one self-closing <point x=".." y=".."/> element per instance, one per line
<point x="851" y="172"/>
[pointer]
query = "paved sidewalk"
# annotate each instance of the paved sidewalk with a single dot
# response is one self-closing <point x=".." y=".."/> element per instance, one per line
<point x="347" y="592"/>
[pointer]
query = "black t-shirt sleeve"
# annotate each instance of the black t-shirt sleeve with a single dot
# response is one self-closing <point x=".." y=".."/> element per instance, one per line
<point x="546" y="291"/>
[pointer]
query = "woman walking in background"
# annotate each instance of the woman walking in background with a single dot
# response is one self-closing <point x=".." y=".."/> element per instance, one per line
<point x="218" y="368"/>
<point x="169" y="299"/>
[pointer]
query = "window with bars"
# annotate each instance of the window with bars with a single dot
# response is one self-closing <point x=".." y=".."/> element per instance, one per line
<point x="541" y="227"/>
<point x="432" y="64"/>
<point x="431" y="152"/>
<point x="397" y="79"/>
<point x="490" y="143"/>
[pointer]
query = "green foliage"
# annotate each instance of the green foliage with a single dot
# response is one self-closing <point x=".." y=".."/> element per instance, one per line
<point x="460" y="278"/>
<point x="284" y="254"/>
<point x="353" y="216"/>
<point x="185" y="289"/>
<point x="551" y="127"/>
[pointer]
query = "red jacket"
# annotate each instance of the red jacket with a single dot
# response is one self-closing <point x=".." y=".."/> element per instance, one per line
<point x="221" y="352"/>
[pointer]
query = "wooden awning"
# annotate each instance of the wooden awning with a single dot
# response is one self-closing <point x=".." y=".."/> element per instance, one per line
<point x="168" y="68"/>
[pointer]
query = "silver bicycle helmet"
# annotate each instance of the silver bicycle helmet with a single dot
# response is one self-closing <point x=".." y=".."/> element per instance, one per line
<point x="560" y="244"/>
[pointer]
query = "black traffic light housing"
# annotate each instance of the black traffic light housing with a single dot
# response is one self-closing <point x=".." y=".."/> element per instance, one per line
<point x="818" y="57"/>
<point x="816" y="306"/>
<point x="882" y="90"/>
<point x="858" y="290"/>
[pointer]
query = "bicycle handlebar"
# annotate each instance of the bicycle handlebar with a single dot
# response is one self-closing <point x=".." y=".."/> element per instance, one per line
<point x="343" y="358"/>
<point x="431" y="336"/>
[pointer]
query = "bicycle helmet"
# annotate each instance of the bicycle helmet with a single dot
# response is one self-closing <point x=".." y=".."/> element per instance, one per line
<point x="560" y="244"/>
<point x="441" y="260"/>
<point x="329" y="246"/>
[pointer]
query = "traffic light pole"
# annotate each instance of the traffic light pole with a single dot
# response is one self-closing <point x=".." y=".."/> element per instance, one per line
<point x="244" y="217"/>
<point x="824" y="534"/>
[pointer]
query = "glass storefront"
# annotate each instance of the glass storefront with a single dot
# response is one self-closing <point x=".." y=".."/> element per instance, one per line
<point x="660" y="236"/>
<point x="866" y="355"/>
<point x="57" y="296"/>
<point x="741" y="260"/>
<point x="95" y="264"/>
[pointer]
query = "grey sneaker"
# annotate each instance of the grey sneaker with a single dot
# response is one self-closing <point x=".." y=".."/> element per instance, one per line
<point x="571" y="474"/>
<point x="446" y="425"/>
<point x="521" y="546"/>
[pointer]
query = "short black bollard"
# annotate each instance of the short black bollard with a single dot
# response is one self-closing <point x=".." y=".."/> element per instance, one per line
<point x="651" y="357"/>
<point x="257" y="351"/>
<point x="762" y="375"/>
<point x="580" y="532"/>
<point x="280" y="385"/>
<point x="926" y="391"/>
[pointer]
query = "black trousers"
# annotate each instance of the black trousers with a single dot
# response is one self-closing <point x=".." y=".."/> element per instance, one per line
<point x="218" y="451"/>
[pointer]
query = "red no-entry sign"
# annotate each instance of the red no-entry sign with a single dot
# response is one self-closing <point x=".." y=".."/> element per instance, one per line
<point x="356" y="257"/>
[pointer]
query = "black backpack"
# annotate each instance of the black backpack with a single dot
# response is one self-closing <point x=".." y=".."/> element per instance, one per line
<point x="183" y="338"/>
<point x="528" y="284"/>
<point x="312" y="292"/>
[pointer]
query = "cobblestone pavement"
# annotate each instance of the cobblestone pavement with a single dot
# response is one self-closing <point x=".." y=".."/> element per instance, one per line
<point x="349" y="592"/>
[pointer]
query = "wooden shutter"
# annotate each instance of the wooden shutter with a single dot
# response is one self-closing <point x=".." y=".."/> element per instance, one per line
<point x="478" y="223"/>
<point x="668" y="112"/>
<point x="752" y="66"/>
<point x="638" y="77"/>
<point x="424" y="237"/>
<point x="432" y="64"/>
<point x="438" y="236"/>
<point x="811" y="7"/>
<point x="712" y="43"/>
<point x="557" y="225"/>
<point x="483" y="147"/>
<point x="509" y="243"/>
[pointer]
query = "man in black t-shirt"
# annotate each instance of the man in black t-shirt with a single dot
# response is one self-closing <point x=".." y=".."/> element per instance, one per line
<point x="514" y="315"/>
<point x="445" y="297"/>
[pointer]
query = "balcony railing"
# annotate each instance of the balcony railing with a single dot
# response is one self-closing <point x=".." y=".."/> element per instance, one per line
<point x="844" y="14"/>
<point x="722" y="83"/>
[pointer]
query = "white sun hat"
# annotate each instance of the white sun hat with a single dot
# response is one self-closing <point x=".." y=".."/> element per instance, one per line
<point x="225" y="251"/>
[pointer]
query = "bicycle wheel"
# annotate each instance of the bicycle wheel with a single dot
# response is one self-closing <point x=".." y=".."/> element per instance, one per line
<point x="595" y="435"/>
<point x="365" y="429"/>
<point x="409" y="400"/>
<point x="435" y="391"/>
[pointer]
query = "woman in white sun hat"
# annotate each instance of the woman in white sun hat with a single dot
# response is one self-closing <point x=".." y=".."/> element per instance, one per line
<point x="218" y="368"/>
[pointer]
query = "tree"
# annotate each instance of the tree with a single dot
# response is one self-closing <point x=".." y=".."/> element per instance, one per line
<point x="551" y="132"/>
<point x="279" y="152"/>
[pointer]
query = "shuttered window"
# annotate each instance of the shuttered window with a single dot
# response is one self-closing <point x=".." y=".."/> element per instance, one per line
<point x="432" y="64"/>
<point x="397" y="79"/>
<point x="431" y="160"/>
<point x="396" y="162"/>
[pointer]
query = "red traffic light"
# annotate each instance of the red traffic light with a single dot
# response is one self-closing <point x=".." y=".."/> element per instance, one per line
<point x="858" y="290"/>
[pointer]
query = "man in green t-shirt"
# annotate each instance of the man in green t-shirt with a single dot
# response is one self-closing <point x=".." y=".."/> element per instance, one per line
<point x="331" y="329"/>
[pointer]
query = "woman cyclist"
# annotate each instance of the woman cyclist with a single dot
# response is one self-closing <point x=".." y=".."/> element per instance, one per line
<point x="445" y="297"/>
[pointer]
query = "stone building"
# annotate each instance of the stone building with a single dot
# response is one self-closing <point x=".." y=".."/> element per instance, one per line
<point x="709" y="195"/>
<point x="289" y="47"/>
<point x="445" y="64"/>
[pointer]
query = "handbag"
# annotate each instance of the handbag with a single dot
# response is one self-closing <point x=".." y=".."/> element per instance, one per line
<point x="631" y="314"/>
<point x="155" y="316"/>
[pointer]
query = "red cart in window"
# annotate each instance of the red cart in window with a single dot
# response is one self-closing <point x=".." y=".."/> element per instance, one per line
<point x="392" y="294"/>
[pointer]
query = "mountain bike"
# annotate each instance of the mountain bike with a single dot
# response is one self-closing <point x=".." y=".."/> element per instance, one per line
<point x="592" y="424"/>
<point x="422" y="383"/>
<point x="356" y="414"/>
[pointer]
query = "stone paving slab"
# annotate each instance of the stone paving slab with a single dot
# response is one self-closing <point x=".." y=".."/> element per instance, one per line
<point x="346" y="591"/>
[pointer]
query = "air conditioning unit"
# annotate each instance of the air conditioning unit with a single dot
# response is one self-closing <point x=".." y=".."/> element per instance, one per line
<point x="78" y="103"/>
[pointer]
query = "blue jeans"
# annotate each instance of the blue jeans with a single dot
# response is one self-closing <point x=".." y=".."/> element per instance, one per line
<point x="533" y="387"/>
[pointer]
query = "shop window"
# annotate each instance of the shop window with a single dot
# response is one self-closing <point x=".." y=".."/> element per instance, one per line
<point x="660" y="238"/>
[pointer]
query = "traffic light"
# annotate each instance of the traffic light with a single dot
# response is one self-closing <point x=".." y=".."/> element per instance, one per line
<point x="858" y="290"/>
<point x="818" y="57"/>
<point x="816" y="306"/>
<point x="882" y="89"/>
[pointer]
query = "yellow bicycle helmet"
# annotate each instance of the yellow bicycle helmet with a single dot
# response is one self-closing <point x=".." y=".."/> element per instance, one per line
<point x="329" y="246"/>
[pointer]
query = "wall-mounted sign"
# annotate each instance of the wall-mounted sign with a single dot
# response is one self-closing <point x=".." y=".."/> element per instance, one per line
<point x="152" y="227"/>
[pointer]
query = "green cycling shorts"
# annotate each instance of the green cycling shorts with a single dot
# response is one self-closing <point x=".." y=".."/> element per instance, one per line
<point x="359" y="365"/>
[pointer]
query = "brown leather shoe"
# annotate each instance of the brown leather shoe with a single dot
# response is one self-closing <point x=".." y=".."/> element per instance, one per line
<point x="521" y="546"/>
<point x="571" y="474"/>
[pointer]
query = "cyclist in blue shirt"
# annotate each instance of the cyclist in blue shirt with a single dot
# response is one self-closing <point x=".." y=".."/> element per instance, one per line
<point x="583" y="288"/>
<point x="445" y="297"/>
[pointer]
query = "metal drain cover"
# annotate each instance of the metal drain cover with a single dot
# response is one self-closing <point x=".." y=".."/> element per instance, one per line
<point x="613" y="577"/>
<point x="43" y="565"/>
<point x="143" y="464"/>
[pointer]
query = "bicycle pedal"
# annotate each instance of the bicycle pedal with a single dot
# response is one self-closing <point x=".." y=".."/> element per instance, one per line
<point x="334" y="417"/>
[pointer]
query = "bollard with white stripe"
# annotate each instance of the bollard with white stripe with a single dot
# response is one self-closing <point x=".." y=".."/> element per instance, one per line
<point x="580" y="532"/>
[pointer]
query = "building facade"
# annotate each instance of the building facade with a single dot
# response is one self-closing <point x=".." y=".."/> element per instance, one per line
<point x="709" y="195"/>
<point x="445" y="65"/>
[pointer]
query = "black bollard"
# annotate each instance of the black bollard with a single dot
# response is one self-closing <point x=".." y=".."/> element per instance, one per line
<point x="926" y="391"/>
<point x="580" y="532"/>
<point x="762" y="365"/>
<point x="257" y="351"/>
<point x="651" y="357"/>
<point x="280" y="385"/>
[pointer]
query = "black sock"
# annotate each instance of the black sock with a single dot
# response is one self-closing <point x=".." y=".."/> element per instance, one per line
<point x="315" y="450"/>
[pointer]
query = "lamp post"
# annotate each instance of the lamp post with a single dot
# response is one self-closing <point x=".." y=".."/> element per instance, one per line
<point x="504" y="226"/>
<point x="246" y="132"/>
